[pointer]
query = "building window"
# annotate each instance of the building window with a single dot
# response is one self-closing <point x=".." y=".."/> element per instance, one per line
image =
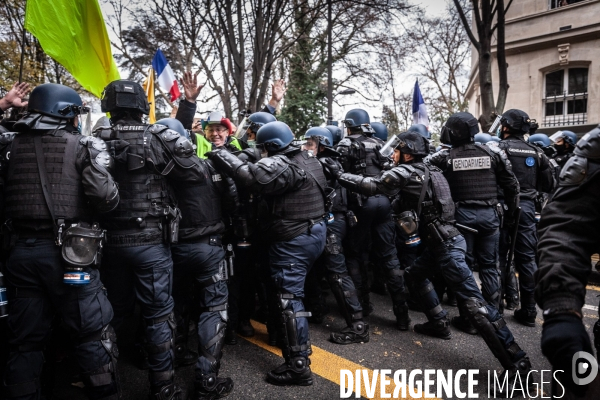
<point x="565" y="101"/>
<point x="562" y="3"/>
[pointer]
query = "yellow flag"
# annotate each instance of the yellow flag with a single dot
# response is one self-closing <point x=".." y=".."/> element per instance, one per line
<point x="149" y="89"/>
<point x="73" y="33"/>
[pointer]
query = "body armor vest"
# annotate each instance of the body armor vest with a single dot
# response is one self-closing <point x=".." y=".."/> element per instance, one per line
<point x="367" y="158"/>
<point x="470" y="173"/>
<point x="438" y="201"/>
<point x="24" y="198"/>
<point x="145" y="194"/>
<point x="525" y="161"/>
<point x="308" y="202"/>
<point x="200" y="203"/>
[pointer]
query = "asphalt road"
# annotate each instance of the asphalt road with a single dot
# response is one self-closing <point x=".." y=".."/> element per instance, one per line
<point x="247" y="362"/>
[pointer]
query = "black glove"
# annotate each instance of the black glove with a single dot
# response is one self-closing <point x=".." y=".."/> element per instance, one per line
<point x="332" y="167"/>
<point x="564" y="335"/>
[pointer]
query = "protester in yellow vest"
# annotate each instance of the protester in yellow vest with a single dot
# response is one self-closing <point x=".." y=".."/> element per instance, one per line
<point x="218" y="132"/>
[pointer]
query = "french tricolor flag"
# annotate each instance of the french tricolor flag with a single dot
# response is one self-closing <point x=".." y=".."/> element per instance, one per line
<point x="418" y="107"/>
<point x="166" y="77"/>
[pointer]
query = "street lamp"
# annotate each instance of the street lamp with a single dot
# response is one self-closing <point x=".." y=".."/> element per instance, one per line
<point x="330" y="98"/>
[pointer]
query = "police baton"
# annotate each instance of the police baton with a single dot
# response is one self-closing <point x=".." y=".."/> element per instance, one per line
<point x="513" y="235"/>
<point x="466" y="228"/>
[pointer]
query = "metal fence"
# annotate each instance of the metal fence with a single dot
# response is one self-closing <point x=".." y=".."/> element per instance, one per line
<point x="567" y="109"/>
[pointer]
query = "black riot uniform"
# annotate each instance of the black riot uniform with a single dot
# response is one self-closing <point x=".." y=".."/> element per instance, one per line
<point x="535" y="174"/>
<point x="57" y="182"/>
<point x="569" y="234"/>
<point x="334" y="261"/>
<point x="474" y="173"/>
<point x="424" y="205"/>
<point x="137" y="262"/>
<point x="360" y="156"/>
<point x="292" y="182"/>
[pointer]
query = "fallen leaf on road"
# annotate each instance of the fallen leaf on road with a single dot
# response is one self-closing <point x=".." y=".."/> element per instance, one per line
<point x="418" y="343"/>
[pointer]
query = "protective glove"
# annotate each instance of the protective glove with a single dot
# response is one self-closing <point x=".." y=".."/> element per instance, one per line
<point x="332" y="167"/>
<point x="563" y="335"/>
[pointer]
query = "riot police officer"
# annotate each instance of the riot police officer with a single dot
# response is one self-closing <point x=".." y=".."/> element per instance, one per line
<point x="534" y="173"/>
<point x="149" y="160"/>
<point x="474" y="173"/>
<point x="293" y="183"/>
<point x="56" y="183"/>
<point x="564" y="265"/>
<point x="564" y="142"/>
<point x="341" y="284"/>
<point x="425" y="208"/>
<point x="360" y="156"/>
<point x="199" y="265"/>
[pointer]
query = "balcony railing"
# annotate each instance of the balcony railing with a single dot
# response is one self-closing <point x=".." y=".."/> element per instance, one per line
<point x="565" y="109"/>
<point x="560" y="3"/>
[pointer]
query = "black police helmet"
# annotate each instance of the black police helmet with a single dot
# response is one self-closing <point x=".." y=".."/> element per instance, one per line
<point x="336" y="132"/>
<point x="411" y="142"/>
<point x="175" y="125"/>
<point x="126" y="96"/>
<point x="258" y="119"/>
<point x="461" y="127"/>
<point x="356" y="117"/>
<point x="517" y="121"/>
<point x="421" y="129"/>
<point x="381" y="131"/>
<point x="325" y="137"/>
<point x="274" y="136"/>
<point x="55" y="100"/>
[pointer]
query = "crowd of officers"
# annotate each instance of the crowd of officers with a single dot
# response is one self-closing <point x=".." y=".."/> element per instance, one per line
<point x="199" y="225"/>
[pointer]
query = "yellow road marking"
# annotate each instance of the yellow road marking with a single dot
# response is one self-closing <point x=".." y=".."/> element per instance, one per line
<point x="329" y="365"/>
<point x="592" y="287"/>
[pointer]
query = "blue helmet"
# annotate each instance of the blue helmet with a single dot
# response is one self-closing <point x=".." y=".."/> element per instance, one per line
<point x="175" y="125"/>
<point x="325" y="137"/>
<point x="336" y="132"/>
<point x="274" y="136"/>
<point x="482" y="137"/>
<point x="358" y="121"/>
<point x="381" y="131"/>
<point x="258" y="119"/>
<point x="568" y="136"/>
<point x="56" y="101"/>
<point x="540" y="139"/>
<point x="421" y="129"/>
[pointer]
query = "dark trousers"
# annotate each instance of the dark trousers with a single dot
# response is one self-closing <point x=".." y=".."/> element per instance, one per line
<point x="198" y="263"/>
<point x="525" y="250"/>
<point x="482" y="246"/>
<point x="144" y="273"/>
<point x="290" y="261"/>
<point x="35" y="267"/>
<point x="449" y="258"/>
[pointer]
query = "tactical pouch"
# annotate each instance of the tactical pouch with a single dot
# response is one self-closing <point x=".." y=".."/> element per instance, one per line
<point x="329" y="196"/>
<point x="439" y="232"/>
<point x="351" y="218"/>
<point x="82" y="245"/>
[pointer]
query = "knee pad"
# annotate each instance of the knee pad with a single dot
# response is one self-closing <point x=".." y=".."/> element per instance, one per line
<point x="164" y="347"/>
<point x="333" y="246"/>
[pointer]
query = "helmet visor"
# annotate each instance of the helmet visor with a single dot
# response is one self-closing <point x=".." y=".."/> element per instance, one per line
<point x="388" y="149"/>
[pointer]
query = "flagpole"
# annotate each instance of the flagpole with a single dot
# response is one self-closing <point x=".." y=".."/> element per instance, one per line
<point x="23" y="45"/>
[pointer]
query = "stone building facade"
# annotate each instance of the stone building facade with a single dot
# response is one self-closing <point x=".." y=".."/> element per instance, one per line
<point x="553" y="56"/>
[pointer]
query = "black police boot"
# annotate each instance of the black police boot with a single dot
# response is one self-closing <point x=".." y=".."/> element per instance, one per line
<point x="520" y="368"/>
<point x="295" y="371"/>
<point x="402" y="318"/>
<point x="464" y="325"/>
<point x="358" y="332"/>
<point x="209" y="387"/>
<point x="170" y="391"/>
<point x="512" y="302"/>
<point x="437" y="328"/>
<point x="245" y="328"/>
<point x="230" y="336"/>
<point x="525" y="317"/>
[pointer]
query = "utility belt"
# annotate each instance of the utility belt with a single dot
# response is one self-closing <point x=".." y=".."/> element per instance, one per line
<point x="151" y="230"/>
<point x="213" y="240"/>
